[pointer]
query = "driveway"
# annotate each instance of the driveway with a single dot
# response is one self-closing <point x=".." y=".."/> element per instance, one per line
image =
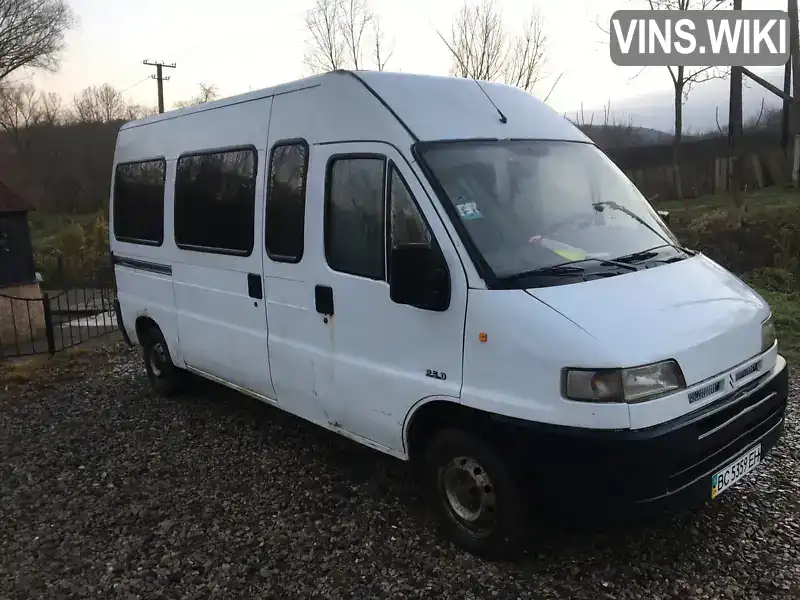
<point x="107" y="491"/>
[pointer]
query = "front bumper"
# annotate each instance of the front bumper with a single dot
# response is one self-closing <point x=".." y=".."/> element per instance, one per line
<point x="665" y="468"/>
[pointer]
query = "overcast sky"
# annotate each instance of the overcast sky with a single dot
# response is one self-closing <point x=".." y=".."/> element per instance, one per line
<point x="248" y="44"/>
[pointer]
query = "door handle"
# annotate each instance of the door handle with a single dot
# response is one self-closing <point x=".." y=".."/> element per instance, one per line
<point x="254" y="288"/>
<point x="323" y="298"/>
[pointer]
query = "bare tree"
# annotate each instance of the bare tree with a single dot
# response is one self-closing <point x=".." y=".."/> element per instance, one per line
<point x="341" y="32"/>
<point x="684" y="79"/>
<point x="139" y="111"/>
<point x="479" y="42"/>
<point x="354" y="18"/>
<point x="51" y="108"/>
<point x="208" y="92"/>
<point x="100" y="105"/>
<point x="326" y="47"/>
<point x="32" y="33"/>
<point x="381" y="53"/>
<point x="20" y="109"/>
<point x="526" y="58"/>
<point x="483" y="46"/>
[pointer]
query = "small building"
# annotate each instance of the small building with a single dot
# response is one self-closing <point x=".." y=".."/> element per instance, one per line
<point x="21" y="320"/>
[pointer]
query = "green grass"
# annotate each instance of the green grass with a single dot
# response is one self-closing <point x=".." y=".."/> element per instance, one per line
<point x="768" y="200"/>
<point x="47" y="228"/>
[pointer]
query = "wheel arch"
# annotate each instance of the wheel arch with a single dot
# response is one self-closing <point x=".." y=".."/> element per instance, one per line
<point x="433" y="414"/>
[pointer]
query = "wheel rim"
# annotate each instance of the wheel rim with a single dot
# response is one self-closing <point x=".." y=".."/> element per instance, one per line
<point x="158" y="359"/>
<point x="469" y="494"/>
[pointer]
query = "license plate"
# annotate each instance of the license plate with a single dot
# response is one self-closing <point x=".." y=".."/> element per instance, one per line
<point x="733" y="472"/>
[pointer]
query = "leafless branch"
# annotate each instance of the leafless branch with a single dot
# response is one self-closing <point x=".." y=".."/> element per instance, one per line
<point x="208" y="92"/>
<point x="51" y="108"/>
<point x="479" y="41"/>
<point x="354" y="18"/>
<point x="760" y="113"/>
<point x="99" y="105"/>
<point x="484" y="48"/>
<point x="526" y="56"/>
<point x="341" y="33"/>
<point x="20" y="108"/>
<point x="716" y="117"/>
<point x="381" y="54"/>
<point x="326" y="47"/>
<point x="32" y="33"/>
<point x="553" y="87"/>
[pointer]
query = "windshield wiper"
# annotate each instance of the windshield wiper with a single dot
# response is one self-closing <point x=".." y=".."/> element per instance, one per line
<point x="572" y="268"/>
<point x="652" y="253"/>
<point x="616" y="206"/>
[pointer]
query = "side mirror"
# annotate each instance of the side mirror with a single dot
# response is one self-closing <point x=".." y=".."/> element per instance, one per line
<point x="419" y="277"/>
<point x="664" y="214"/>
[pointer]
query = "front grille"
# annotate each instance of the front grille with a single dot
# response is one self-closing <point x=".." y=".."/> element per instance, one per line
<point x="715" y="455"/>
<point x="723" y="433"/>
<point x="705" y="392"/>
<point x="748" y="371"/>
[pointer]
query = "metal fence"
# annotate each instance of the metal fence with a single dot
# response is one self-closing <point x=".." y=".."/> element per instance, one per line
<point x="72" y="303"/>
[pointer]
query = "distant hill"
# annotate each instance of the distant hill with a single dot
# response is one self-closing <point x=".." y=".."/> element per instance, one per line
<point x="622" y="136"/>
<point x="707" y="103"/>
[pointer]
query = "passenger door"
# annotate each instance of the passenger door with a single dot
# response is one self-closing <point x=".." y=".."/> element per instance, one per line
<point x="291" y="253"/>
<point x="217" y="276"/>
<point x="378" y="358"/>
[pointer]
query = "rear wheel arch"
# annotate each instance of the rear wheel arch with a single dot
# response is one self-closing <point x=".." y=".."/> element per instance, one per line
<point x="143" y="325"/>
<point x="165" y="377"/>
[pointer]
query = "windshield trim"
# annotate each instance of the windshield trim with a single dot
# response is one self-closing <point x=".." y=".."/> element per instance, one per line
<point x="485" y="271"/>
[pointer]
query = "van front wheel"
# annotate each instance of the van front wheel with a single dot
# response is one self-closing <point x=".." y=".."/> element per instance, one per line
<point x="474" y="493"/>
<point x="164" y="376"/>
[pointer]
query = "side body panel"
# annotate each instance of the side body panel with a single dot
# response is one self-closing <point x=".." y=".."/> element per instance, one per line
<point x="374" y="358"/>
<point x="209" y="319"/>
<point x="517" y="371"/>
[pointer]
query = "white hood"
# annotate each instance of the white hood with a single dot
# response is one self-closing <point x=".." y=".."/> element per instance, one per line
<point x="693" y="311"/>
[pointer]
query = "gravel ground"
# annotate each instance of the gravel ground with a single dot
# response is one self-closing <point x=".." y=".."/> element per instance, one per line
<point x="107" y="491"/>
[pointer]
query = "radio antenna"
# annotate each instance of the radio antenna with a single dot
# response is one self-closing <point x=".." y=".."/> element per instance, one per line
<point x="503" y="118"/>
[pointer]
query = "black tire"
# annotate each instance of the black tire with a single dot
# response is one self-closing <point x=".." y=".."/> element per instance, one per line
<point x="500" y="526"/>
<point x="164" y="376"/>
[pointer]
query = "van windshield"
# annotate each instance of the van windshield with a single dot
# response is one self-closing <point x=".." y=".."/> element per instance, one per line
<point x="528" y="205"/>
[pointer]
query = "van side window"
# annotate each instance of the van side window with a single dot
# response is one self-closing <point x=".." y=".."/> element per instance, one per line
<point x="139" y="202"/>
<point x="215" y="197"/>
<point x="286" y="202"/>
<point x="354" y="219"/>
<point x="406" y="224"/>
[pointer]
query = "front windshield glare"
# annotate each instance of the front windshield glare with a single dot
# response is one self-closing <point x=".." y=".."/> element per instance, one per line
<point x="527" y="205"/>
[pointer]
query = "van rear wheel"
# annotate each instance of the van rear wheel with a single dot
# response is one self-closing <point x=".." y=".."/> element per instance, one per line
<point x="474" y="493"/>
<point x="164" y="376"/>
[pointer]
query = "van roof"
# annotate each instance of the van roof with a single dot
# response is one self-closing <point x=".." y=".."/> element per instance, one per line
<point x="430" y="107"/>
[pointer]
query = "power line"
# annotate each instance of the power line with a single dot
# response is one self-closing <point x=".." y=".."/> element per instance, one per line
<point x="159" y="77"/>
<point x="141" y="81"/>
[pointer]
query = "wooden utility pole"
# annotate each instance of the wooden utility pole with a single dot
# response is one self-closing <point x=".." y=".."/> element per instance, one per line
<point x="159" y="77"/>
<point x="787" y="110"/>
<point x="735" y="124"/>
<point x="794" y="46"/>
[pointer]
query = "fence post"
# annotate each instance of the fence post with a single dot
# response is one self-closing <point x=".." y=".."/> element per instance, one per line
<point x="60" y="268"/>
<point x="48" y="324"/>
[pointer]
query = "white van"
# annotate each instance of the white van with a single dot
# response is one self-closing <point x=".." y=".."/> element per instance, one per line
<point x="450" y="273"/>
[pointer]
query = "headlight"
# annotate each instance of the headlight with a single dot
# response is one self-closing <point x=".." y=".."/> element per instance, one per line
<point x="636" y="384"/>
<point x="768" y="336"/>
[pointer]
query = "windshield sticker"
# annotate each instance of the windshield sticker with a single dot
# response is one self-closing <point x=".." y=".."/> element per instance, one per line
<point x="468" y="211"/>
